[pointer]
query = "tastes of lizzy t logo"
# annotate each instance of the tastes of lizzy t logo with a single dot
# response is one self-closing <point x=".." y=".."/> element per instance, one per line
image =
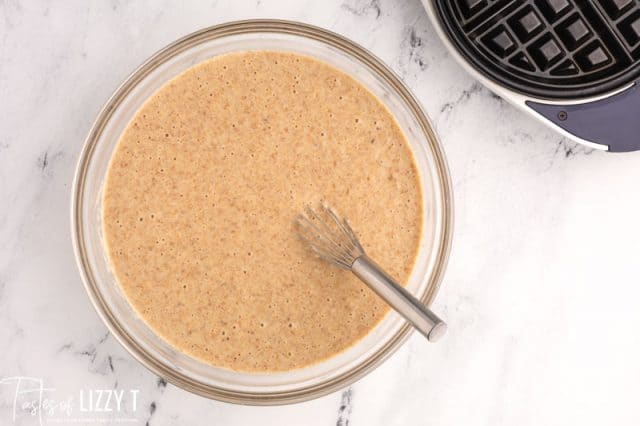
<point x="30" y="398"/>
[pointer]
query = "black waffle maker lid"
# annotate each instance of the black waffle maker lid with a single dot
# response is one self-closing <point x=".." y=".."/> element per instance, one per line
<point x="572" y="63"/>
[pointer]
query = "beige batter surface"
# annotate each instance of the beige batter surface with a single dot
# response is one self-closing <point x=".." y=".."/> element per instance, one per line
<point x="201" y="197"/>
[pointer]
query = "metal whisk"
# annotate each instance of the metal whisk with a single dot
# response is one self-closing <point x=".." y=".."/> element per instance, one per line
<point x="332" y="239"/>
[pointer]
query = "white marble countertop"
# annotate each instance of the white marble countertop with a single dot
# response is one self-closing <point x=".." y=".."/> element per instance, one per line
<point x="541" y="290"/>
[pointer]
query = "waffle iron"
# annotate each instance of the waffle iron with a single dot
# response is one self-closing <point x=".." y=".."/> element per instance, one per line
<point x="575" y="65"/>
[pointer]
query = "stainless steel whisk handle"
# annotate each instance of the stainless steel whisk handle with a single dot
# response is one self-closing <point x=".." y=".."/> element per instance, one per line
<point x="400" y="299"/>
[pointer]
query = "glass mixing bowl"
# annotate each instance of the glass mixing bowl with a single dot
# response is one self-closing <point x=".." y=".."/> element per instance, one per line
<point x="103" y="289"/>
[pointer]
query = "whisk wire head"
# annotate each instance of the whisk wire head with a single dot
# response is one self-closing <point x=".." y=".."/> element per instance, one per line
<point x="329" y="236"/>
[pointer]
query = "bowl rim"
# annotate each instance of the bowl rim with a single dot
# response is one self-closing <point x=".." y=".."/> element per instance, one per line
<point x="217" y="31"/>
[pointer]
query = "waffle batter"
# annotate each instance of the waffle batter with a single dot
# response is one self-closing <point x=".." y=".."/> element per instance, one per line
<point x="201" y="196"/>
